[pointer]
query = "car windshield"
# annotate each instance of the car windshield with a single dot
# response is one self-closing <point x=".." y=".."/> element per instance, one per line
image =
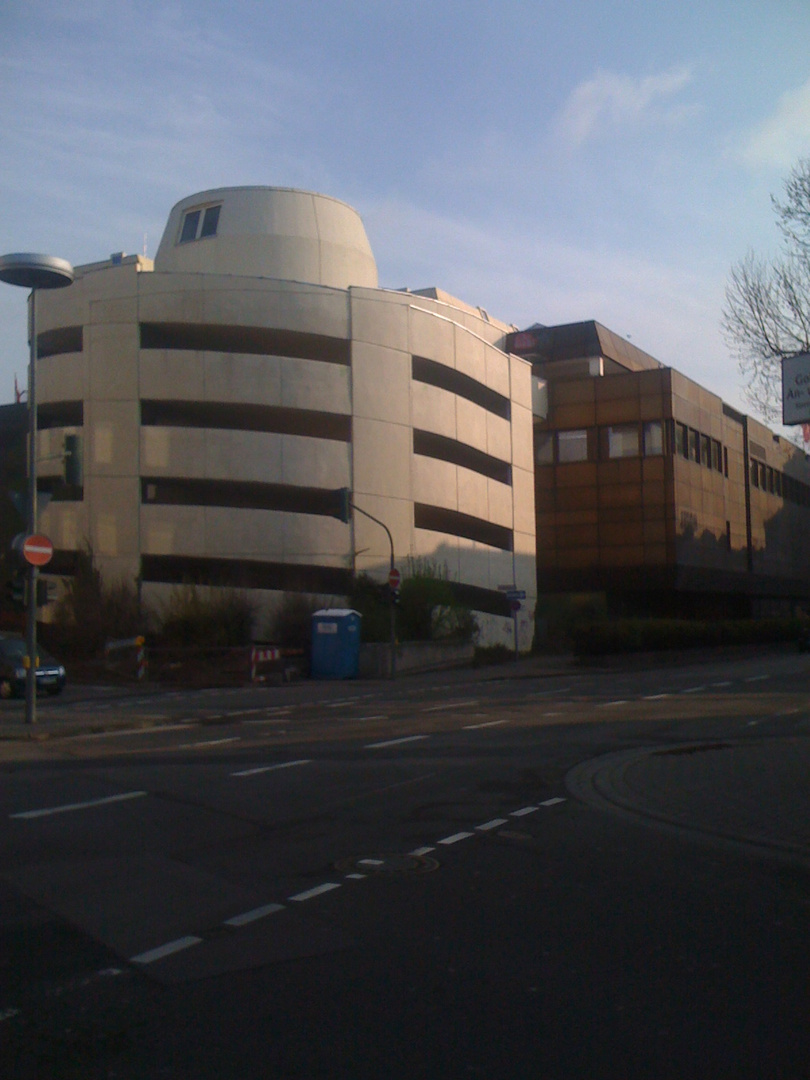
<point x="14" y="649"/>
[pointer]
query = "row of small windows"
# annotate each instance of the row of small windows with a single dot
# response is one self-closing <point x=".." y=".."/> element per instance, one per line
<point x="651" y="438"/>
<point x="603" y="444"/>
<point x="774" y="482"/>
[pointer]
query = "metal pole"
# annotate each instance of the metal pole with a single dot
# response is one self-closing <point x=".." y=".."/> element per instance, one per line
<point x="31" y="605"/>
<point x="382" y="524"/>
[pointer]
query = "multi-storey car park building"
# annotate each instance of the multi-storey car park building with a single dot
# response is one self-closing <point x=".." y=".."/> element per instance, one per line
<point x="650" y="489"/>
<point x="226" y="392"/>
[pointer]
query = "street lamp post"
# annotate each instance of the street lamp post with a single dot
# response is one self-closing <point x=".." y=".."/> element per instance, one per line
<point x="33" y="272"/>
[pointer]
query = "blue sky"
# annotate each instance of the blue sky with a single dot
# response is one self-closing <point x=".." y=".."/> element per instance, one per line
<point x="549" y="161"/>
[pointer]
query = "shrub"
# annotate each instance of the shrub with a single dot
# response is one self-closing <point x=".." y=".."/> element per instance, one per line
<point x="91" y="611"/>
<point x="192" y="617"/>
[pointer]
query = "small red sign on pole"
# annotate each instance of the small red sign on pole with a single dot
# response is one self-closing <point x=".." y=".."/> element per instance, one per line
<point x="394" y="578"/>
<point x="37" y="550"/>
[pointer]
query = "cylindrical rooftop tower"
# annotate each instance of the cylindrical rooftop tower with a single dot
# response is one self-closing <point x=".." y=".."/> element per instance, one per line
<point x="268" y="232"/>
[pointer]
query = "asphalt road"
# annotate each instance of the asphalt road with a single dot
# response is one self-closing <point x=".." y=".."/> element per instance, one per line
<point x="514" y="873"/>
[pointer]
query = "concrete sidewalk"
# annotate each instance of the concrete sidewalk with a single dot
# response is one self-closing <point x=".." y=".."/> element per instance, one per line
<point x="753" y="793"/>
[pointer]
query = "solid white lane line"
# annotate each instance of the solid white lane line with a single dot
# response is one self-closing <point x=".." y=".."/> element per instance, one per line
<point x="317" y="891"/>
<point x="454" y="839"/>
<point x="475" y="727"/>
<point x="491" y="824"/>
<point x="165" y="950"/>
<point x="27" y="814"/>
<point x="523" y="812"/>
<point x="552" y="802"/>
<point x="451" y="705"/>
<point x="252" y="916"/>
<point x="394" y="742"/>
<point x="422" y="850"/>
<point x="271" y="768"/>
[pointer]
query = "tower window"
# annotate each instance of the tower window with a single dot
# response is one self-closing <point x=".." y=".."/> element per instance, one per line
<point x="200" y="223"/>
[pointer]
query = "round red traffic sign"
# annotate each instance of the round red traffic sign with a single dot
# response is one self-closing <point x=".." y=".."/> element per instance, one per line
<point x="394" y="577"/>
<point x="37" y="550"/>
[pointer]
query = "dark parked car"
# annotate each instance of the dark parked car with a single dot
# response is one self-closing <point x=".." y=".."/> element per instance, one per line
<point x="13" y="654"/>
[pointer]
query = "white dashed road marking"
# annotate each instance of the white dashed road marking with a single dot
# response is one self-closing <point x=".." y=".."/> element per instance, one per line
<point x="394" y="742"/>
<point x="522" y="813"/>
<point x="491" y="824"/>
<point x="271" y="768"/>
<point x="317" y="891"/>
<point x="252" y="916"/>
<point x="451" y="705"/>
<point x="454" y="839"/>
<point x="165" y="950"/>
<point x="475" y="727"/>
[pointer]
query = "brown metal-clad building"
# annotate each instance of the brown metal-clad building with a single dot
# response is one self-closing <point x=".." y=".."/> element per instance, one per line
<point x="651" y="490"/>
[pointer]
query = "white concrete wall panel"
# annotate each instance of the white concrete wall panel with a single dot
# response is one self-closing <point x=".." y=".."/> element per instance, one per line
<point x="499" y="437"/>
<point x="381" y="383"/>
<point x="111" y="438"/>
<point x="431" y="336"/>
<point x="433" y="409"/>
<point x="523" y="489"/>
<point x="435" y="482"/>
<point x="239" y="377"/>
<point x="472" y="494"/>
<point x="65" y="377"/>
<point x="499" y="503"/>
<point x="497" y="371"/>
<point x="522" y="438"/>
<point x="112" y="351"/>
<point x="171" y="375"/>
<point x="470" y="355"/>
<point x="521" y="381"/>
<point x="314" y="462"/>
<point x="380" y="319"/>
<point x="382" y="459"/>
<point x="471" y="424"/>
<point x="310" y="384"/>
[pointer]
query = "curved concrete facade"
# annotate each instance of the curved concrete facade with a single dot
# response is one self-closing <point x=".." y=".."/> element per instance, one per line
<point x="225" y="394"/>
<point x="269" y="232"/>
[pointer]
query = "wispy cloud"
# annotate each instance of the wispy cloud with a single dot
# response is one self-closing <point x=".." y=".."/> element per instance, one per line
<point x="785" y="135"/>
<point x="609" y="102"/>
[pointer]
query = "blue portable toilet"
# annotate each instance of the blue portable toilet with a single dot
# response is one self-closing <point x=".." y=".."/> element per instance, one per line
<point x="336" y="643"/>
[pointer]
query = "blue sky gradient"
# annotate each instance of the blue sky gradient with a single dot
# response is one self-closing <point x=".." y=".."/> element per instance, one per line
<point x="550" y="162"/>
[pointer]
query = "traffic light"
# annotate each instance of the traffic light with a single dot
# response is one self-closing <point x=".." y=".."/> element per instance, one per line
<point x="73" y="460"/>
<point x="15" y="587"/>
<point x="344" y="510"/>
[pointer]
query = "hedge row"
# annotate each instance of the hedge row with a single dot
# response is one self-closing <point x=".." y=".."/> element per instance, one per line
<point x="648" y="635"/>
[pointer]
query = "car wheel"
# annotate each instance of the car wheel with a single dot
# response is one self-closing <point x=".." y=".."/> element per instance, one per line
<point x="6" y="689"/>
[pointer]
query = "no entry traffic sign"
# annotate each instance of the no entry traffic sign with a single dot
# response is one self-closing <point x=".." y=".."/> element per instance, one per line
<point x="37" y="550"/>
<point x="394" y="578"/>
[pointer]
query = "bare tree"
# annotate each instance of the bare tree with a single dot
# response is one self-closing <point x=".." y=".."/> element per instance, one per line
<point x="767" y="311"/>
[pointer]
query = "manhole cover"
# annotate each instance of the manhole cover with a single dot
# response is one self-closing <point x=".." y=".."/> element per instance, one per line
<point x="387" y="865"/>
